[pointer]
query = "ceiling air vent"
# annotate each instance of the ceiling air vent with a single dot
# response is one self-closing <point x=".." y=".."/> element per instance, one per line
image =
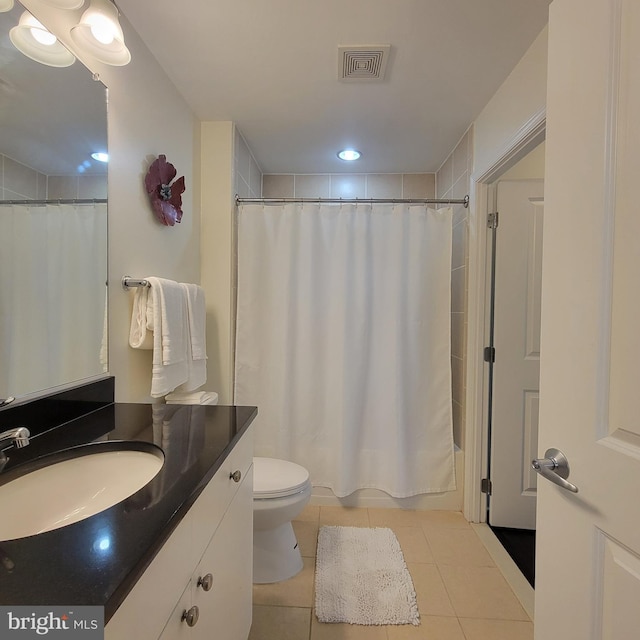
<point x="363" y="62"/>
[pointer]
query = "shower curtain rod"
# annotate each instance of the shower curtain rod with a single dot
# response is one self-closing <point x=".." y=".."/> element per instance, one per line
<point x="463" y="201"/>
<point x="58" y="201"/>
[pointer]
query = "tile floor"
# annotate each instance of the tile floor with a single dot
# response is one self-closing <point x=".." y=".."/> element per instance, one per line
<point x="461" y="593"/>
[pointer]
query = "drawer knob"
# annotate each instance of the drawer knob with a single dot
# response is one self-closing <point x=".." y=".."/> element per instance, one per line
<point x="236" y="475"/>
<point x="206" y="582"/>
<point x="191" y="616"/>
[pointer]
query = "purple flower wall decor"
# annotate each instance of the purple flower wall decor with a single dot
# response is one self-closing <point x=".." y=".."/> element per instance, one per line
<point x="166" y="198"/>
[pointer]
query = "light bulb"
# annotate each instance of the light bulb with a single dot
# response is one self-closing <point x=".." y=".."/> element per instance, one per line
<point x="36" y="42"/>
<point x="102" y="30"/>
<point x="99" y="33"/>
<point x="43" y="36"/>
<point x="349" y="154"/>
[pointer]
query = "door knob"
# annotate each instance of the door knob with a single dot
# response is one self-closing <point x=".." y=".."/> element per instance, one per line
<point x="555" y="467"/>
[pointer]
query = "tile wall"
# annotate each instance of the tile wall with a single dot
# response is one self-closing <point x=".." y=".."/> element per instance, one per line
<point x="77" y="187"/>
<point x="247" y="175"/>
<point x="247" y="183"/>
<point x="20" y="182"/>
<point x="453" y="181"/>
<point x="349" y="185"/>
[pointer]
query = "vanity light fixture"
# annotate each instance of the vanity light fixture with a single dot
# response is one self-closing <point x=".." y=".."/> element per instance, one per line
<point x="64" y="4"/>
<point x="6" y="5"/>
<point x="349" y="155"/>
<point x="100" y="156"/>
<point x="32" y="38"/>
<point x="100" y="35"/>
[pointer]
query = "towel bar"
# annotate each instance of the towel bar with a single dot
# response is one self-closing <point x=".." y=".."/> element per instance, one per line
<point x="128" y="283"/>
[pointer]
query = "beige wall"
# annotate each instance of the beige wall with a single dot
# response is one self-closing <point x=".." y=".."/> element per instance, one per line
<point x="147" y="117"/>
<point x="530" y="167"/>
<point x="520" y="99"/>
<point x="452" y="181"/>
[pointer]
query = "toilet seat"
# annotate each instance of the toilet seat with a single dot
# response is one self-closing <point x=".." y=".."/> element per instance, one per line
<point x="273" y="478"/>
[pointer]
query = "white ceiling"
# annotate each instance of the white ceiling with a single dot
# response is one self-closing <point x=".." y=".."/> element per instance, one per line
<point x="271" y="67"/>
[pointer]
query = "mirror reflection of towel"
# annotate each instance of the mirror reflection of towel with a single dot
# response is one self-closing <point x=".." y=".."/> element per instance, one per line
<point x="179" y="430"/>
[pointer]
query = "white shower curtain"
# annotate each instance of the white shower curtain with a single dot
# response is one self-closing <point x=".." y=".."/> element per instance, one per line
<point x="52" y="294"/>
<point x="343" y="342"/>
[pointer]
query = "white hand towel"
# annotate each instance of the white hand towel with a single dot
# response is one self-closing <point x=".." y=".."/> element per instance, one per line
<point x="162" y="308"/>
<point x="197" y="397"/>
<point x="140" y="333"/>
<point x="197" y="320"/>
<point x="196" y="348"/>
<point x="170" y="328"/>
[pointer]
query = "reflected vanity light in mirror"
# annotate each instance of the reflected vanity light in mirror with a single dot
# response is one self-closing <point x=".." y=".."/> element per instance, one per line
<point x="32" y="39"/>
<point x="100" y="156"/>
<point x="51" y="120"/>
<point x="99" y="34"/>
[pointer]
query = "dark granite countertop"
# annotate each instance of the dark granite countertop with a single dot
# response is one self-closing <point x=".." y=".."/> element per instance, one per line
<point x="98" y="560"/>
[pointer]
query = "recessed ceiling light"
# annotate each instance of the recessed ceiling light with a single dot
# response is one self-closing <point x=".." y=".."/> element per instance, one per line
<point x="100" y="156"/>
<point x="348" y="154"/>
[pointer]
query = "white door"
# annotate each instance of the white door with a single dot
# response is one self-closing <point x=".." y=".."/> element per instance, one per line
<point x="588" y="568"/>
<point x="516" y="371"/>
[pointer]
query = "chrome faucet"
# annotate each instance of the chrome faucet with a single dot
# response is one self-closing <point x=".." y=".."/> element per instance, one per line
<point x="17" y="437"/>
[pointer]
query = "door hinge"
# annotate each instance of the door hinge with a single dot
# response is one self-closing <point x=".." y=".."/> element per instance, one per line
<point x="492" y="220"/>
<point x="489" y="354"/>
<point x="485" y="486"/>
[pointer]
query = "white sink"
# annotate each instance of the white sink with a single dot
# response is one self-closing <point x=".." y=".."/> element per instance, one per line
<point x="70" y="486"/>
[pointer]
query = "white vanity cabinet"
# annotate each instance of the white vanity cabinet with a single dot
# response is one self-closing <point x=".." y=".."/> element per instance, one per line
<point x="200" y="583"/>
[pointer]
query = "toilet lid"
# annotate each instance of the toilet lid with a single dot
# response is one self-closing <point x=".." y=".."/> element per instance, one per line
<point x="273" y="478"/>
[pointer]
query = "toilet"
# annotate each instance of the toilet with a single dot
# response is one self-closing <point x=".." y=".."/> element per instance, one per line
<point x="281" y="489"/>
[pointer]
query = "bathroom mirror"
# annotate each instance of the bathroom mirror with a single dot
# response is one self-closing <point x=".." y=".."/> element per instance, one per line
<point x="53" y="222"/>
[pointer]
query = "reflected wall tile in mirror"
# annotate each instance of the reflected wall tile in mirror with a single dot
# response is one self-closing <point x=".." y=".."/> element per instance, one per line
<point x="92" y="186"/>
<point x="42" y="186"/>
<point x="20" y="179"/>
<point x="62" y="187"/>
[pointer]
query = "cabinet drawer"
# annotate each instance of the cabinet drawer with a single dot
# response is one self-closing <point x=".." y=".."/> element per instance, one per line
<point x="148" y="607"/>
<point x="225" y="608"/>
<point x="209" y="508"/>
<point x="177" y="628"/>
<point x="156" y="591"/>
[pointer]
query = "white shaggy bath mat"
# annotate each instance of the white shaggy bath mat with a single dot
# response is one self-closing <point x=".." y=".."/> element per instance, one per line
<point x="362" y="578"/>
